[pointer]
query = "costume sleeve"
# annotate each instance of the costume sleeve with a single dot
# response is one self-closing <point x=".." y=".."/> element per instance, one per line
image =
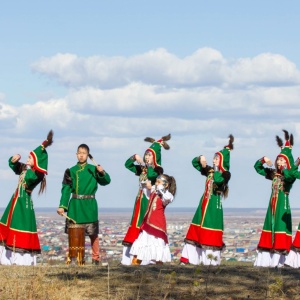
<point x="16" y="167"/>
<point x="222" y="177"/>
<point x="167" y="198"/>
<point x="296" y="174"/>
<point x="153" y="173"/>
<point x="289" y="175"/>
<point x="267" y="172"/>
<point x="32" y="178"/>
<point x="218" y="178"/>
<point x="196" y="163"/>
<point x="66" y="190"/>
<point x="103" y="179"/>
<point x="226" y="175"/>
<point x="259" y="168"/>
<point x="131" y="166"/>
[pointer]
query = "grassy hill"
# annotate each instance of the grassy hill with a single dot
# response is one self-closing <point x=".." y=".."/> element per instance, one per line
<point x="230" y="281"/>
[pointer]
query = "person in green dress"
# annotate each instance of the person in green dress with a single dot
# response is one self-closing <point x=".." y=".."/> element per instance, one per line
<point x="79" y="186"/>
<point x="18" y="231"/>
<point x="276" y="236"/>
<point x="147" y="169"/>
<point x="204" y="238"/>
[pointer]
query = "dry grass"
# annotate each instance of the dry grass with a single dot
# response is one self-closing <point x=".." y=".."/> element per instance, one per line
<point x="230" y="281"/>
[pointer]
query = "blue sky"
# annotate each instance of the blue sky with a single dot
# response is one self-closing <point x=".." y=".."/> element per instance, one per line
<point x="110" y="73"/>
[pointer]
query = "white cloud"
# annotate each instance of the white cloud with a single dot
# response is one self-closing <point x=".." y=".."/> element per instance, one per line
<point x="205" y="67"/>
<point x="266" y="69"/>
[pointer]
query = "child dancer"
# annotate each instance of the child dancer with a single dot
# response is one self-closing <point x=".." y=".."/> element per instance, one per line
<point x="147" y="175"/>
<point x="18" y="232"/>
<point x="276" y="237"/>
<point x="152" y="243"/>
<point x="79" y="186"/>
<point x="204" y="239"/>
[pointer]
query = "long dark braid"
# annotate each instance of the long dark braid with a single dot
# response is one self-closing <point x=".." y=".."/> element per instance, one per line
<point x="172" y="184"/>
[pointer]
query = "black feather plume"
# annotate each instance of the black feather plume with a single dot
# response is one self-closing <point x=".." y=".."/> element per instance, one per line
<point x="231" y="140"/>
<point x="49" y="141"/>
<point x="164" y="143"/>
<point x="279" y="141"/>
<point x="166" y="137"/>
<point x="286" y="134"/>
<point x="292" y="139"/>
<point x="149" y="139"/>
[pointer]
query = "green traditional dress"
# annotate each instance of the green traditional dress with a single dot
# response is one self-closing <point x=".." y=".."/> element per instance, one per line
<point x="276" y="237"/>
<point x="207" y="225"/>
<point x="277" y="230"/>
<point x="18" y="229"/>
<point x="204" y="238"/>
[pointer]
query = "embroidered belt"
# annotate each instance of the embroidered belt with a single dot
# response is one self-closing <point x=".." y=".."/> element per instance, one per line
<point x="76" y="196"/>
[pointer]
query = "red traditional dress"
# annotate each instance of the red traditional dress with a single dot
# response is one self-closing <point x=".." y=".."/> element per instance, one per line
<point x="145" y="173"/>
<point x="152" y="243"/>
<point x="141" y="201"/>
<point x="140" y="205"/>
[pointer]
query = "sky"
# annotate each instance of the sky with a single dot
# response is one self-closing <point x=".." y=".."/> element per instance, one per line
<point x="110" y="73"/>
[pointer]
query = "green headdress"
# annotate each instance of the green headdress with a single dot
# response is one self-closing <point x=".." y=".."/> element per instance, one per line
<point x="155" y="148"/>
<point x="224" y="155"/>
<point x="40" y="155"/>
<point x="286" y="150"/>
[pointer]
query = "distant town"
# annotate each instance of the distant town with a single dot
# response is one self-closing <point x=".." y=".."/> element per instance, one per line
<point x="242" y="229"/>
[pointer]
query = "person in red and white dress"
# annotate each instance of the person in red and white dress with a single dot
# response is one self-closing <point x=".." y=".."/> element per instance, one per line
<point x="152" y="243"/>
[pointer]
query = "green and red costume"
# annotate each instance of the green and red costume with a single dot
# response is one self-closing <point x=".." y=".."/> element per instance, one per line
<point x="206" y="229"/>
<point x="18" y="229"/>
<point x="141" y="201"/>
<point x="276" y="237"/>
<point x="205" y="234"/>
<point x="277" y="230"/>
<point x="145" y="173"/>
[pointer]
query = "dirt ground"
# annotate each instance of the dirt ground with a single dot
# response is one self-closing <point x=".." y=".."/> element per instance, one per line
<point x="148" y="282"/>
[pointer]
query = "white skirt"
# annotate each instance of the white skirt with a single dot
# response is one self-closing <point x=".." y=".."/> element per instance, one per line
<point x="293" y="259"/>
<point x="8" y="257"/>
<point x="126" y="257"/>
<point x="196" y="255"/>
<point x="149" y="248"/>
<point x="267" y="259"/>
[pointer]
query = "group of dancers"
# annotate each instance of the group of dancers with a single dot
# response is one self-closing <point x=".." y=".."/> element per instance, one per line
<point x="146" y="241"/>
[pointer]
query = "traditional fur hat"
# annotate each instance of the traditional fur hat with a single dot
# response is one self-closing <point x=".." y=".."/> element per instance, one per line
<point x="286" y="150"/>
<point x="155" y="148"/>
<point x="40" y="155"/>
<point x="224" y="155"/>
